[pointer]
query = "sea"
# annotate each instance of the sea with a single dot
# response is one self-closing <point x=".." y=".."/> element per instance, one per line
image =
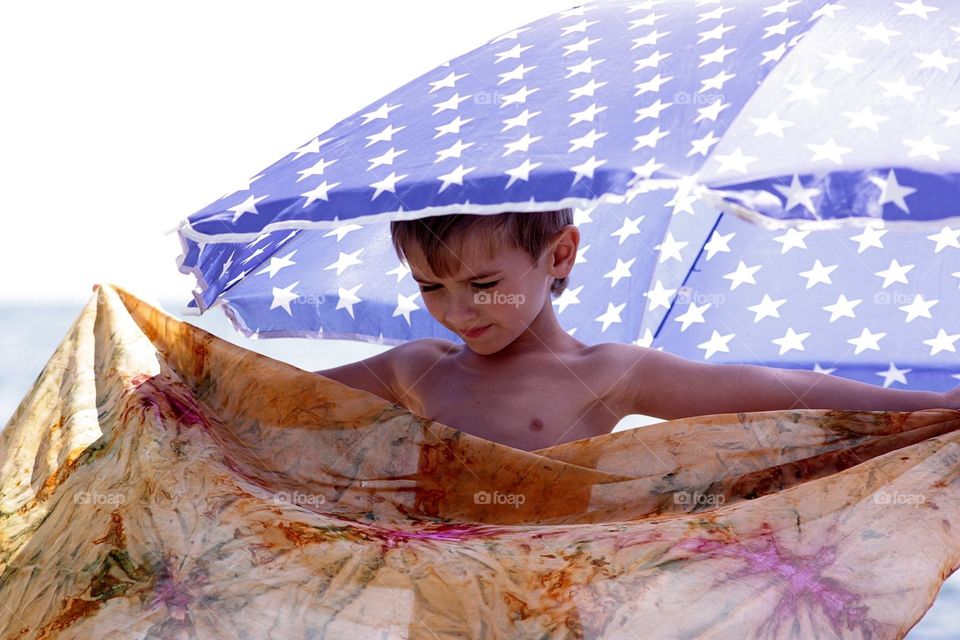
<point x="29" y="334"/>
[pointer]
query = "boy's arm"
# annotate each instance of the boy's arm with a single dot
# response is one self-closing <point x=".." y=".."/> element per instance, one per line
<point x="374" y="374"/>
<point x="668" y="386"/>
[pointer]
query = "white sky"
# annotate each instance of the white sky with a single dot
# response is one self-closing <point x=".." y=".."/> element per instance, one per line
<point x="119" y="119"/>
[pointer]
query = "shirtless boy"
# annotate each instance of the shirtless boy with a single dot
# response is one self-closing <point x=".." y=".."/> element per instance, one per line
<point x="520" y="379"/>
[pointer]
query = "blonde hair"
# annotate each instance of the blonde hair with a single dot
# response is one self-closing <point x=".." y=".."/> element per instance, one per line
<point x="438" y="236"/>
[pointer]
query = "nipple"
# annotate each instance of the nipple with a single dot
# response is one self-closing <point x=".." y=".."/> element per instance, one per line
<point x="536" y="424"/>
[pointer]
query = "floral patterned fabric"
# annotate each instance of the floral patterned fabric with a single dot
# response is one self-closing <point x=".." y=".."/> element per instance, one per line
<point x="158" y="482"/>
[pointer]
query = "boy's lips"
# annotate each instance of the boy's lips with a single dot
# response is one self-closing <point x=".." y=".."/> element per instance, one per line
<point x="473" y="333"/>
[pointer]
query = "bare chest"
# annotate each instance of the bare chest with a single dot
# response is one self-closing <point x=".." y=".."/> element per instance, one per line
<point x="526" y="410"/>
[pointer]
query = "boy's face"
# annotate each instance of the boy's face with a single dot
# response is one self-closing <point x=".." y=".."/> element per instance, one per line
<point x="505" y="292"/>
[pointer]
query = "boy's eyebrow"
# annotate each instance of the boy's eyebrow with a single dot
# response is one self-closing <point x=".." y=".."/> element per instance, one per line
<point x="479" y="276"/>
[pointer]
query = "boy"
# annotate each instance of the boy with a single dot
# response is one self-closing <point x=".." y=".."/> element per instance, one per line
<point x="520" y="379"/>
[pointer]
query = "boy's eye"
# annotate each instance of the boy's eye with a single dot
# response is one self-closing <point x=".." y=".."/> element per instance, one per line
<point x="479" y="285"/>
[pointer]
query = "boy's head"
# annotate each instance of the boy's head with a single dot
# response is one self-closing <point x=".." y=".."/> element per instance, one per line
<point x="531" y="254"/>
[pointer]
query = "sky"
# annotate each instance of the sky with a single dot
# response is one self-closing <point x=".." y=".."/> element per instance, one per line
<point x="120" y="119"/>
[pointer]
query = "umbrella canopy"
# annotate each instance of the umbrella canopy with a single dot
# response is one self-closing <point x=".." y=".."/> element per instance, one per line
<point x="656" y="122"/>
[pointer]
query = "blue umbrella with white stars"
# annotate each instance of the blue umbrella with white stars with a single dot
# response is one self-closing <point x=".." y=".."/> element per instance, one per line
<point x="771" y="183"/>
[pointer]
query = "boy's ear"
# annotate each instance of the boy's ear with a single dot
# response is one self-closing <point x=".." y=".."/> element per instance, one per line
<point x="564" y="252"/>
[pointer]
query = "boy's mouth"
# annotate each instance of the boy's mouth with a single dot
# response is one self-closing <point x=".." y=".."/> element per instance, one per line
<point x="473" y="333"/>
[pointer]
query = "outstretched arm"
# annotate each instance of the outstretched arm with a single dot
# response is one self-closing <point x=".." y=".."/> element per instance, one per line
<point x="668" y="386"/>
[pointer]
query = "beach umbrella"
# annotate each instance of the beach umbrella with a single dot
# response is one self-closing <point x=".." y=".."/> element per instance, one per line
<point x="764" y="183"/>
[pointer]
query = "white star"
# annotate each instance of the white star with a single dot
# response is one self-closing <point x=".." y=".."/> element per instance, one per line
<point x="826" y="10"/>
<point x="772" y="124"/>
<point x="818" y="369"/>
<point x="568" y="297"/>
<point x="400" y="271"/>
<point x="585" y="141"/>
<point x="405" y="306"/>
<point x="247" y="206"/>
<point x="891" y="191"/>
<point x="715" y="343"/>
<point x="283" y="297"/>
<point x="523" y="144"/>
<point x="579" y="47"/>
<point x="653" y="111"/>
<point x="587" y="89"/>
<point x="715" y="56"/>
<point x="804" y="91"/>
<point x="936" y="60"/>
<point x="716" y="14"/>
<point x="926" y="147"/>
<point x="519" y="120"/>
<point x="621" y="271"/>
<point x="342" y="230"/>
<point x="649" y="139"/>
<point x="714" y="34"/>
<point x="791" y="340"/>
<point x="892" y="374"/>
<point x="652" y="61"/>
<point x="658" y="296"/>
<point x="584" y="67"/>
<point x="895" y="273"/>
<point x="347" y="298"/>
<point x="451" y="127"/>
<point x="818" y="273"/>
<point x="735" y="161"/>
<point x="580" y="26"/>
<point x="587" y="115"/>
<point x="319" y="192"/>
<point x="387" y="184"/>
<point x="446" y="83"/>
<point x="517" y="74"/>
<point x="586" y="168"/>
<point x="953" y="117"/>
<point x="702" y="145"/>
<point x="345" y="261"/>
<point x="865" y="118"/>
<point x="387" y="157"/>
<point x="653" y="85"/>
<point x="918" y="307"/>
<point x="454" y="177"/>
<point x="842" y="308"/>
<point x="711" y="111"/>
<point x="521" y="171"/>
<point x="774" y="55"/>
<point x="453" y="151"/>
<point x="779" y="29"/>
<point x="779" y="8"/>
<point x="670" y="248"/>
<point x="311" y="147"/>
<point x="946" y="237"/>
<point x="829" y="150"/>
<point x="766" y="308"/>
<point x="718" y="243"/>
<point x="611" y="315"/>
<point x="693" y="314"/>
<point x="630" y="226"/>
<point x="841" y="60"/>
<point x="870" y="237"/>
<point x="517" y="97"/>
<point x="899" y="88"/>
<point x="315" y="170"/>
<point x="796" y="194"/>
<point x="276" y="264"/>
<point x="648" y="40"/>
<point x="741" y="275"/>
<point x="453" y="102"/>
<point x="386" y="135"/>
<point x="915" y="8"/>
<point x="942" y="342"/>
<point x="793" y="238"/>
<point x="382" y="112"/>
<point x="647" y="169"/>
<point x="716" y="82"/>
<point x="877" y="32"/>
<point x="512" y="53"/>
<point x="866" y="340"/>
